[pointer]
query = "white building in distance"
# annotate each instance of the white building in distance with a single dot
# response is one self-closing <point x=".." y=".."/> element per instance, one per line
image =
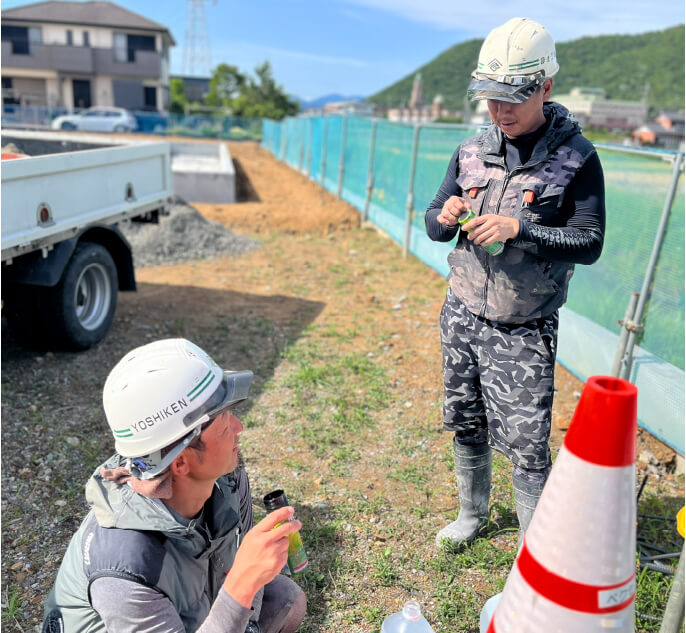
<point x="592" y="109"/>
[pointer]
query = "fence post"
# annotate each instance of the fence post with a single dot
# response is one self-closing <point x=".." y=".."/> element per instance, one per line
<point x="627" y="323"/>
<point x="302" y="145"/>
<point x="341" y="162"/>
<point x="410" y="192"/>
<point x="309" y="148"/>
<point x="284" y="141"/>
<point x="370" y="174"/>
<point x="322" y="176"/>
<point x="674" y="611"/>
<point x="646" y="289"/>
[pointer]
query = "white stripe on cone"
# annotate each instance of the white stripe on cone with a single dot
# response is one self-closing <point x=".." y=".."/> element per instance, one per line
<point x="583" y="534"/>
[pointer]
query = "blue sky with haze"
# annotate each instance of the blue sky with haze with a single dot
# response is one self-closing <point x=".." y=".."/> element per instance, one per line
<point x="358" y="47"/>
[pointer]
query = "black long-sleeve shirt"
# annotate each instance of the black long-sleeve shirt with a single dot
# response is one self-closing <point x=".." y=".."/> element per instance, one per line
<point x="579" y="237"/>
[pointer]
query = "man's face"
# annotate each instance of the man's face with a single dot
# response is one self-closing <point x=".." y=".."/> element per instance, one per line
<point x="517" y="119"/>
<point x="220" y="453"/>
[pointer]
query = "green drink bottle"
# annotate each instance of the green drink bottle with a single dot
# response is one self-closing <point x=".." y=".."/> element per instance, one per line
<point x="493" y="249"/>
<point x="297" y="558"/>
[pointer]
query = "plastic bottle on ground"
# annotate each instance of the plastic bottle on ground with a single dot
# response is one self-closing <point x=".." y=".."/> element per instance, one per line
<point x="409" y="620"/>
<point x="487" y="612"/>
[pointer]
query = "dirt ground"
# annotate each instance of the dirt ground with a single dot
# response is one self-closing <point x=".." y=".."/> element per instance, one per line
<point x="276" y="198"/>
<point x="318" y="281"/>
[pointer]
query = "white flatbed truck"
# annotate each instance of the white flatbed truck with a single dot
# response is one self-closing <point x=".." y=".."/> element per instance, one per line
<point x="63" y="257"/>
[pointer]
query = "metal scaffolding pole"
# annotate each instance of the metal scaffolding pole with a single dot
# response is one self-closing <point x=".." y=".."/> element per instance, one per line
<point x="370" y="173"/>
<point x="341" y="162"/>
<point x="322" y="176"/>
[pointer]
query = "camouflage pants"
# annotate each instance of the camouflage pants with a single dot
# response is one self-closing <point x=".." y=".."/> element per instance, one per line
<point x="499" y="382"/>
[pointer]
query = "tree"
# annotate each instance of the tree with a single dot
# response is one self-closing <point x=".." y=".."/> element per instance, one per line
<point x="177" y="95"/>
<point x="259" y="97"/>
<point x="226" y="84"/>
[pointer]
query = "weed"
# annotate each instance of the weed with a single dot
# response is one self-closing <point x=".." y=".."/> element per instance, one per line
<point x="373" y="616"/>
<point x="412" y="473"/>
<point x="343" y="457"/>
<point x="11" y="605"/>
<point x="652" y="592"/>
<point x="384" y="568"/>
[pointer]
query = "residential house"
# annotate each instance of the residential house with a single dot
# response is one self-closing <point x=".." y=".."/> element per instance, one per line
<point x="82" y="54"/>
<point x="196" y="88"/>
<point x="665" y="131"/>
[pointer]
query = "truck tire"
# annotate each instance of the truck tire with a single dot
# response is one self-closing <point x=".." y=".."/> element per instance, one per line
<point x="82" y="305"/>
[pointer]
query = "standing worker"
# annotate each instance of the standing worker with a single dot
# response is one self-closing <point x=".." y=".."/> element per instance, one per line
<point x="535" y="187"/>
<point x="168" y="545"/>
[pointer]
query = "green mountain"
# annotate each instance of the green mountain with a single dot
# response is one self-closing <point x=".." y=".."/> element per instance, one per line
<point x="621" y="64"/>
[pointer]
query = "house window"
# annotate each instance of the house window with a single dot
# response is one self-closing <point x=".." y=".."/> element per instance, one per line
<point x="8" y="97"/>
<point x="86" y="38"/>
<point x="35" y="37"/>
<point x="149" y="98"/>
<point x="120" y="47"/>
<point x="19" y="38"/>
<point x="126" y="46"/>
<point x="138" y="43"/>
<point x="70" y="37"/>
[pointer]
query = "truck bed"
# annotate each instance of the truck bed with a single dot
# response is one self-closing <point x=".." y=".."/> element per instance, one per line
<point x="50" y="198"/>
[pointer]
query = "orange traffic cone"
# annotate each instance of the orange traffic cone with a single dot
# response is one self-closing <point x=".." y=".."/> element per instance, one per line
<point x="575" y="572"/>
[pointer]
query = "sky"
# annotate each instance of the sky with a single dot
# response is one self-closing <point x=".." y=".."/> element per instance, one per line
<point x="358" y="47"/>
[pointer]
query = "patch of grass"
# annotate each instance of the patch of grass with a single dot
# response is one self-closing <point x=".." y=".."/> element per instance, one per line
<point x="296" y="465"/>
<point x="336" y="396"/>
<point x="410" y="473"/>
<point x="11" y="605"/>
<point x="373" y="616"/>
<point x="457" y="603"/>
<point x="343" y="456"/>
<point x="345" y="335"/>
<point x="384" y="568"/>
<point x="652" y="592"/>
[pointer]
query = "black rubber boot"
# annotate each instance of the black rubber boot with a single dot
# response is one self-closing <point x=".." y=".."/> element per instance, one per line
<point x="528" y="486"/>
<point x="473" y="470"/>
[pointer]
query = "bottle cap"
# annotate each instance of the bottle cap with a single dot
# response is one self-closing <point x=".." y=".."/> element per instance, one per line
<point x="412" y="611"/>
<point x="274" y="500"/>
<point x="465" y="216"/>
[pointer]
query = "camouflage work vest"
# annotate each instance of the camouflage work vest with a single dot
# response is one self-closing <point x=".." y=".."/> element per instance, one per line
<point x="516" y="286"/>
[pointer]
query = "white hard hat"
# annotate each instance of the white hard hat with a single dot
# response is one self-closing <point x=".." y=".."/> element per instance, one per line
<point x="161" y="393"/>
<point x="514" y="60"/>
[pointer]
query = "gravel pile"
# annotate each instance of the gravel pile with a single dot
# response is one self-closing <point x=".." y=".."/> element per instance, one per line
<point x="184" y="235"/>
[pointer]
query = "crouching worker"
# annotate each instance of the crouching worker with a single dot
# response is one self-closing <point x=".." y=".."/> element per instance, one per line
<point x="168" y="544"/>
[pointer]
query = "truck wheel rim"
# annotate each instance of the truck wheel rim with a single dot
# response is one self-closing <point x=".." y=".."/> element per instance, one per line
<point x="93" y="296"/>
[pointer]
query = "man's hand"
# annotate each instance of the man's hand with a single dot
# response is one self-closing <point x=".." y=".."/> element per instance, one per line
<point x="489" y="228"/>
<point x="452" y="209"/>
<point x="261" y="556"/>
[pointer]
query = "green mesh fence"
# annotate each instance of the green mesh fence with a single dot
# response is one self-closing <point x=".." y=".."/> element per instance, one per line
<point x="205" y="126"/>
<point x="635" y="190"/>
<point x="356" y="164"/>
<point x="637" y="186"/>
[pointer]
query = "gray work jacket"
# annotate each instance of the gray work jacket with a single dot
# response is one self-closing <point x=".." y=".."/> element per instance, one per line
<point x="126" y="535"/>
